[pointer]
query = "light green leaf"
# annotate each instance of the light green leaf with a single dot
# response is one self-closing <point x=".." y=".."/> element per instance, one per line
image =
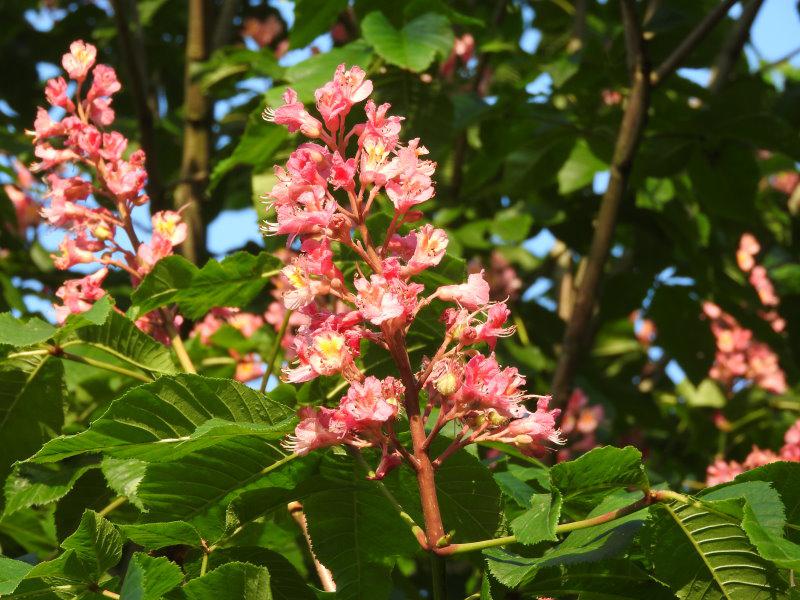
<point x="123" y="476"/>
<point x="415" y="46"/>
<point x="538" y="523"/>
<point x="255" y="147"/>
<point x="96" y="544"/>
<point x="580" y="168"/>
<point x="701" y="551"/>
<point x="784" y="477"/>
<point x="11" y="573"/>
<point x="161" y="285"/>
<point x="233" y="282"/>
<point x="157" y="421"/>
<point x="32" y="484"/>
<point x="584" y="480"/>
<point x="119" y="337"/>
<point x="18" y="333"/>
<point x="153" y="536"/>
<point x="232" y="580"/>
<point x="149" y="578"/>
<point x="96" y="315"/>
<point x="770" y="545"/>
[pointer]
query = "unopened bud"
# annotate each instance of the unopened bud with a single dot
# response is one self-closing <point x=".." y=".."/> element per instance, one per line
<point x="413" y="216"/>
<point x="101" y="232"/>
<point x="447" y="383"/>
<point x="495" y="418"/>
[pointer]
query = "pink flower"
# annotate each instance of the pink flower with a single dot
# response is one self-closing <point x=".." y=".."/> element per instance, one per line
<point x="100" y="111"/>
<point x="168" y="225"/>
<point x="421" y="249"/>
<point x="473" y="294"/>
<point x="352" y="84"/>
<point x="79" y="60"/>
<point x="486" y="385"/>
<point x="303" y="289"/>
<point x="126" y="180"/>
<point x="342" y="172"/>
<point x="380" y="299"/>
<point x="104" y="82"/>
<point x="310" y="163"/>
<point x="211" y="323"/>
<point x="332" y="105"/>
<point x="760" y="280"/>
<point x="51" y="157"/>
<point x="323" y="351"/>
<point x="56" y="93"/>
<point x="748" y="248"/>
<point x="151" y="252"/>
<point x="372" y="402"/>
<point x="533" y="428"/>
<point x="319" y="428"/>
<point x="44" y="126"/>
<point x="294" y="116"/>
<point x="114" y="145"/>
<point x="77" y="250"/>
<point x="722" y="472"/>
<point x="248" y="367"/>
<point x="496" y="316"/>
<point x="78" y="295"/>
<point x="758" y="458"/>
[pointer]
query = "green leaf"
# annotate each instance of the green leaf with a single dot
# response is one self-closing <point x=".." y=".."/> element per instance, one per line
<point x="18" y="333"/>
<point x="285" y="581"/>
<point x="96" y="315"/>
<point x="33" y="484"/>
<point x="581" y="546"/>
<point x="784" y="477"/>
<point x="123" y="476"/>
<point x="149" y="578"/>
<point x="764" y="501"/>
<point x="256" y="147"/>
<point x="11" y="573"/>
<point x="415" y="46"/>
<point x="516" y="489"/>
<point x="31" y="407"/>
<point x="119" y="337"/>
<point x="580" y="169"/>
<point x="160" y="420"/>
<point x="233" y="282"/>
<point x="312" y="19"/>
<point x="232" y="580"/>
<point x="774" y="547"/>
<point x="162" y="284"/>
<point x="308" y="75"/>
<point x="538" y="523"/>
<point x="607" y="580"/>
<point x="354" y="530"/>
<point x="96" y="544"/>
<point x="584" y="480"/>
<point x="701" y="552"/>
<point x="154" y="536"/>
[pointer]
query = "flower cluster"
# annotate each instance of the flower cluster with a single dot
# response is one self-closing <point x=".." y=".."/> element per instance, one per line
<point x="92" y="188"/>
<point x="579" y="425"/>
<point x="248" y="366"/>
<point x="722" y="471"/>
<point x="504" y="282"/>
<point x="23" y="197"/>
<point x="739" y="356"/>
<point x="321" y="202"/>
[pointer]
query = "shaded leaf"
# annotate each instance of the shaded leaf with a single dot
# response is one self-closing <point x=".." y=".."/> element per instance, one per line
<point x="232" y="580"/>
<point x="415" y="46"/>
<point x="149" y="578"/>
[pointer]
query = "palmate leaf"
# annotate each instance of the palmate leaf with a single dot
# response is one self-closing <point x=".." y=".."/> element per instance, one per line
<point x="702" y="553"/>
<point x="163" y="420"/>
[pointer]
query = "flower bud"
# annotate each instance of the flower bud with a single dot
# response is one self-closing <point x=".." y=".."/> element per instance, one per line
<point x="447" y="384"/>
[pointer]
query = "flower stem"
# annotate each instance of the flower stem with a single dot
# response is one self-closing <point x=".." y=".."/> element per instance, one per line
<point x="275" y="349"/>
<point x="438" y="578"/>
<point x="104" y="365"/>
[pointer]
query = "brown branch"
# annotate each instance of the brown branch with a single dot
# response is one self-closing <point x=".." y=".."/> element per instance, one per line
<point x="578" y="39"/>
<point x="125" y="13"/>
<point x="697" y="35"/>
<point x="733" y="46"/>
<point x="223" y="32"/>
<point x="630" y="133"/>
<point x="196" y="136"/>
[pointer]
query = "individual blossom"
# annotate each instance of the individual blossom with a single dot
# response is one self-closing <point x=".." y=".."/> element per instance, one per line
<point x="78" y="295"/>
<point x="294" y="115"/>
<point x="372" y="402"/>
<point x="487" y="385"/>
<point x="504" y="282"/>
<point x="79" y="60"/>
<point x="472" y="294"/>
<point x="318" y="428"/>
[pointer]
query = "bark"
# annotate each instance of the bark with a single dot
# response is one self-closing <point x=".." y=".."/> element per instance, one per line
<point x="732" y="50"/>
<point x="189" y="193"/>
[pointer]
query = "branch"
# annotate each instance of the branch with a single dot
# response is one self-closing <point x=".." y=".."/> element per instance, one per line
<point x="126" y="12"/>
<point x="101" y="365"/>
<point x="628" y="138"/>
<point x="697" y="35"/>
<point x="577" y="41"/>
<point x="195" y="160"/>
<point x="732" y="49"/>
<point x="224" y="29"/>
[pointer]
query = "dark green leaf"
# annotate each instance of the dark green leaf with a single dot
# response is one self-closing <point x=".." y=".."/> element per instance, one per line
<point x="149" y="578"/>
<point x="232" y="580"/>
<point x="96" y="544"/>
<point x="538" y="523"/>
<point x="11" y="573"/>
<point x="153" y="536"/>
<point x="160" y="286"/>
<point x="312" y="19"/>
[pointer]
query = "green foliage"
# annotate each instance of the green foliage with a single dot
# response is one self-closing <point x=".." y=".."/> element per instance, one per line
<point x="232" y="580"/>
<point x="415" y="45"/>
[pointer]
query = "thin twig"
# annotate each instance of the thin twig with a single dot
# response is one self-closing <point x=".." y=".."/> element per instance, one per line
<point x="112" y="506"/>
<point x="733" y="46"/>
<point x="177" y="343"/>
<point x="690" y="42"/>
<point x="628" y="138"/>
